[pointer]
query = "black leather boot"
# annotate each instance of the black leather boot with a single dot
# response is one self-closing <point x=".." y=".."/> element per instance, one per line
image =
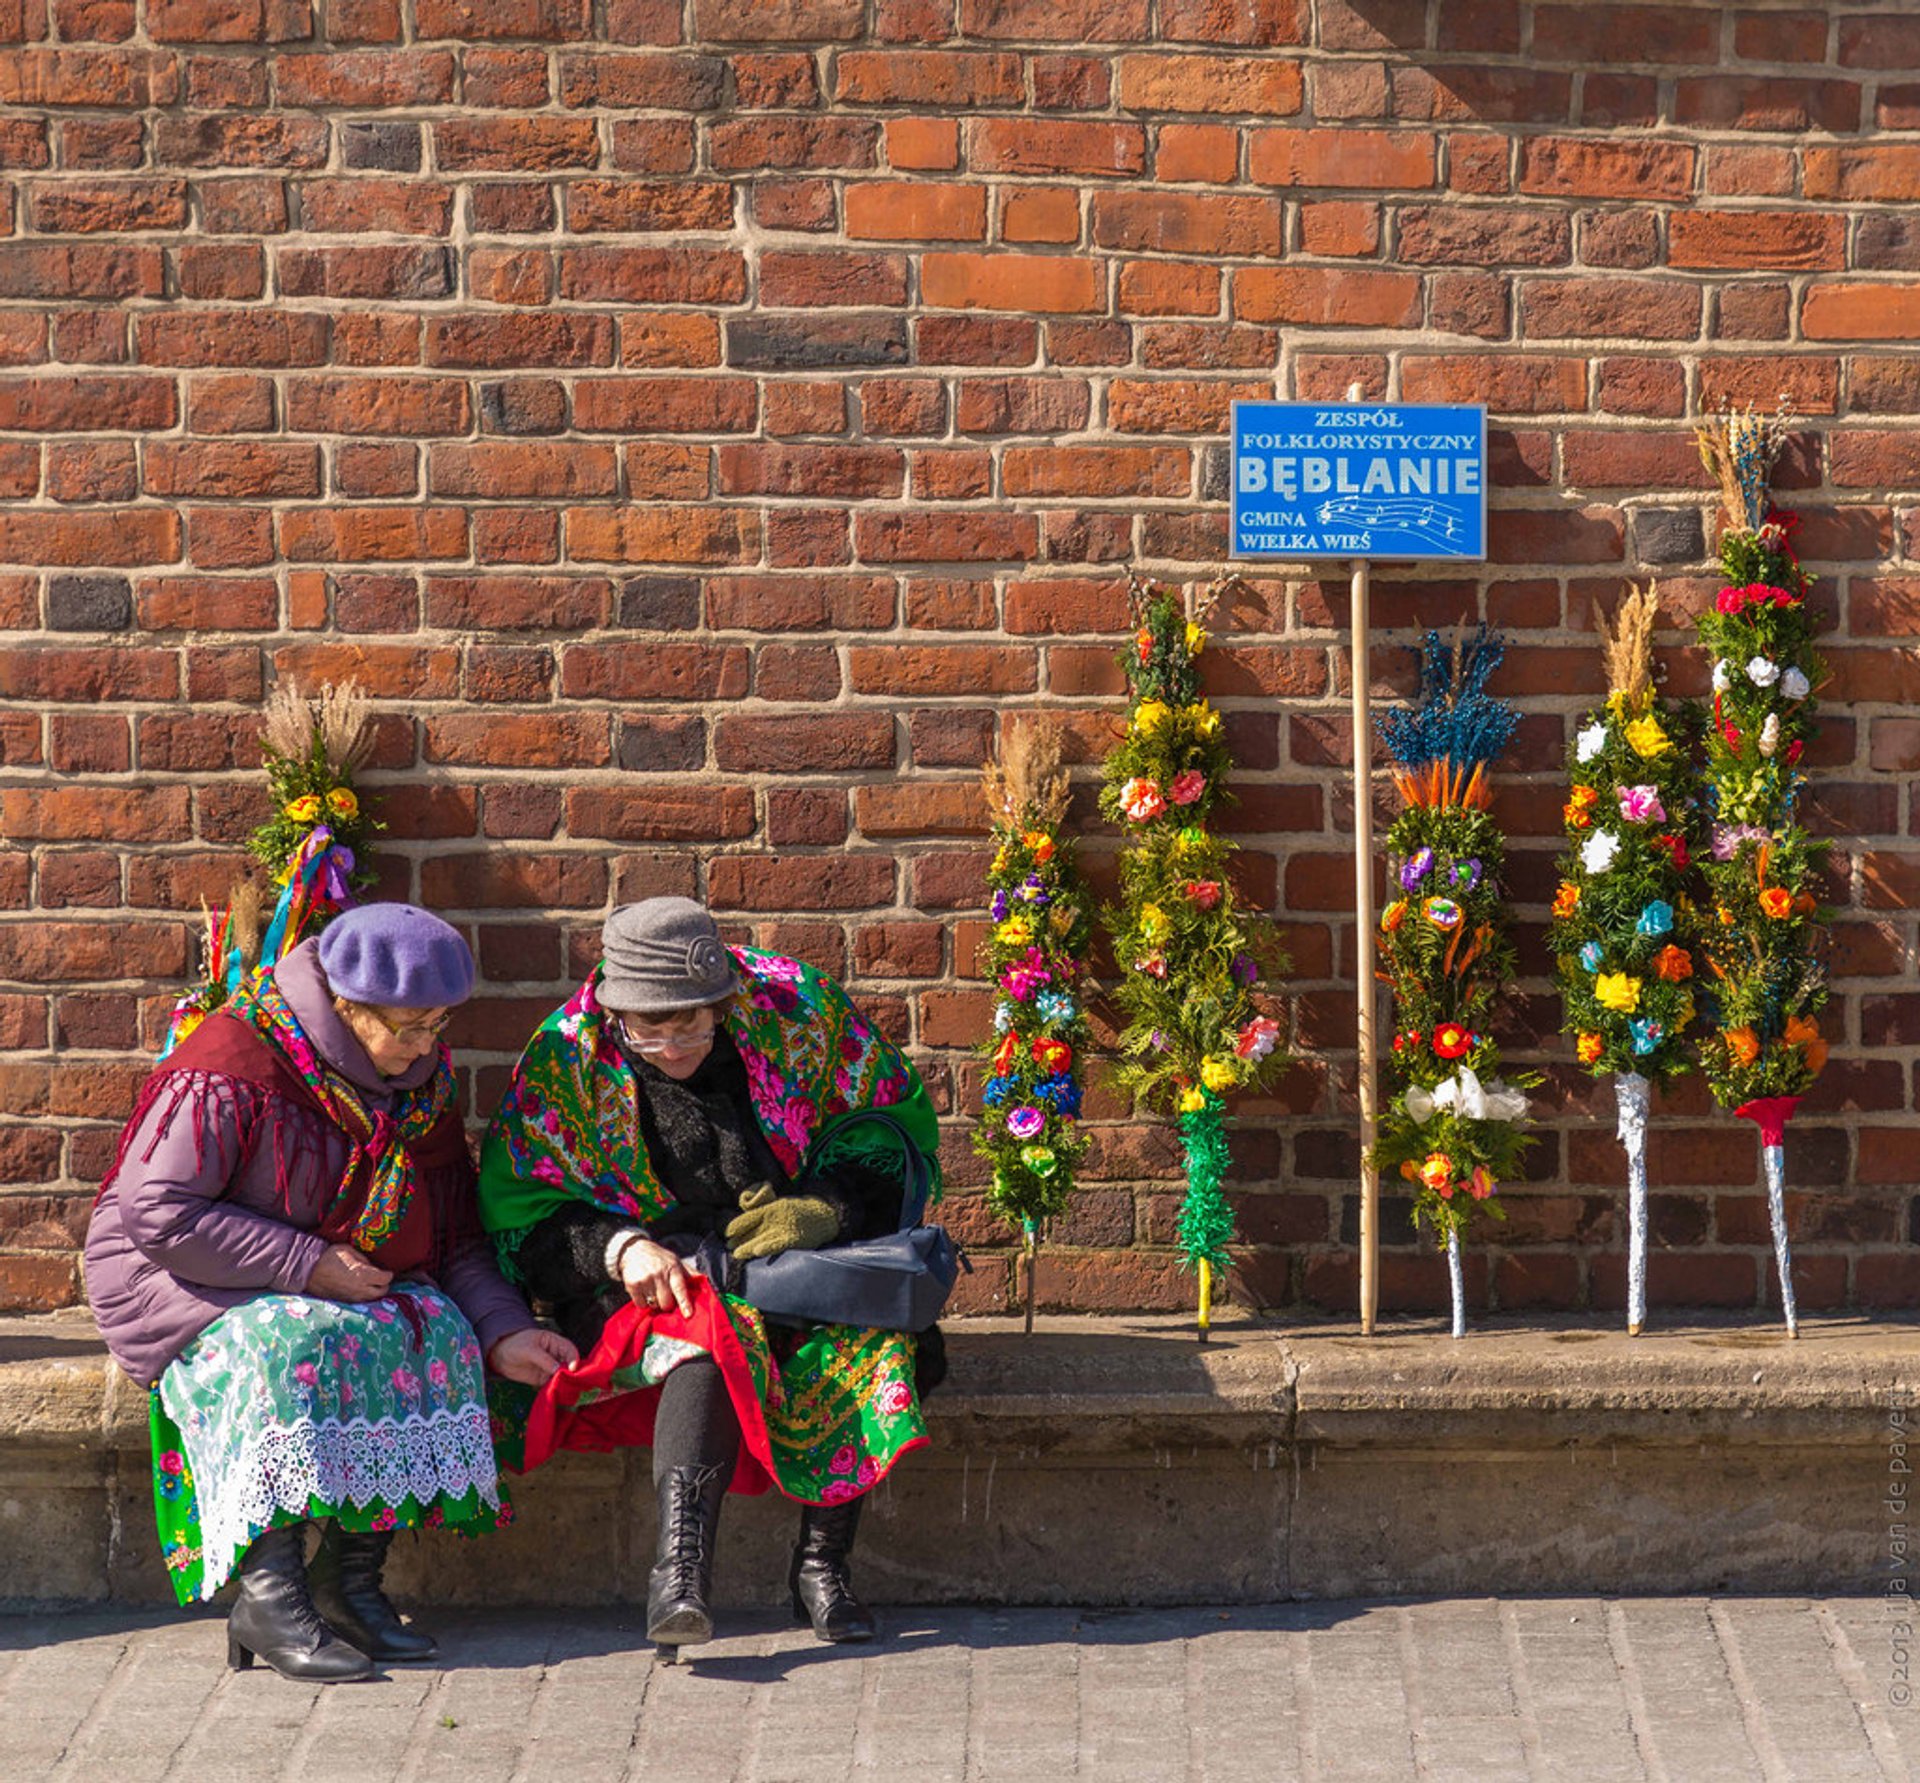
<point x="682" y="1577"/>
<point x="822" y="1586"/>
<point x="275" y="1618"/>
<point x="345" y="1581"/>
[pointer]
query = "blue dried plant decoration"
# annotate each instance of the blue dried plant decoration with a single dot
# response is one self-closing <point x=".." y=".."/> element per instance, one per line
<point x="1453" y="718"/>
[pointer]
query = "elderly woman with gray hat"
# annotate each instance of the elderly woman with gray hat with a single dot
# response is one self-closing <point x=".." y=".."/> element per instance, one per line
<point x="286" y="1252"/>
<point x="691" y="1107"/>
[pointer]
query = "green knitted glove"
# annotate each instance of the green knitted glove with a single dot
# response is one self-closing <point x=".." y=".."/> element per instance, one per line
<point x="766" y="1225"/>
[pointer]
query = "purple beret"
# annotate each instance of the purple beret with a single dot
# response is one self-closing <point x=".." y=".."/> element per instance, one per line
<point x="396" y="955"/>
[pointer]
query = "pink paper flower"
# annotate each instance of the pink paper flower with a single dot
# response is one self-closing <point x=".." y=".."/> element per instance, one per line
<point x="1187" y="786"/>
<point x="1641" y="804"/>
<point x="1141" y="800"/>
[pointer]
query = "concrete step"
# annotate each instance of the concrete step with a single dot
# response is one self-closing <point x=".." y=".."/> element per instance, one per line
<point x="1118" y="1461"/>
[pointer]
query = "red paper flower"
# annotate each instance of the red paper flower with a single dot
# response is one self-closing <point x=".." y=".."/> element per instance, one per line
<point x="1450" y="1040"/>
<point x="1009" y="1050"/>
<point x="1052" y="1056"/>
<point x="1203" y="892"/>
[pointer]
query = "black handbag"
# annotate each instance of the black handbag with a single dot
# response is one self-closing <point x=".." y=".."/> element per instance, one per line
<point x="896" y="1283"/>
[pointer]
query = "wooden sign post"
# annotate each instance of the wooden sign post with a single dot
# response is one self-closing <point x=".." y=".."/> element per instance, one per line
<point x="1360" y="481"/>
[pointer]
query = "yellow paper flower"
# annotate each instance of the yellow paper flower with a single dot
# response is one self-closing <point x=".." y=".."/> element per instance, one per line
<point x="342" y="803"/>
<point x="1000" y="861"/>
<point x="1589" y="1047"/>
<point x="1206" y="721"/>
<point x="1192" y="1101"/>
<point x="1618" y="992"/>
<point x="1152" y="715"/>
<point x="1437" y="1171"/>
<point x="1647" y="738"/>
<point x="1196" y="639"/>
<point x="1217" y="1074"/>
<point x="1566" y="900"/>
<point x="305" y="809"/>
<point x="1016" y="931"/>
<point x="1153" y="922"/>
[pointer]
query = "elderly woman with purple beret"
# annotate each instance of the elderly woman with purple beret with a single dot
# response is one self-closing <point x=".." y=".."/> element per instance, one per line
<point x="287" y="1253"/>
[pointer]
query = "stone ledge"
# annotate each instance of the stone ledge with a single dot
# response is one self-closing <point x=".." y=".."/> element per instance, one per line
<point x="1117" y="1460"/>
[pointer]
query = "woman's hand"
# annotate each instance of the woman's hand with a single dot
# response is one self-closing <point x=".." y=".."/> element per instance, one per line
<point x="655" y="1278"/>
<point x="344" y="1273"/>
<point x="532" y="1356"/>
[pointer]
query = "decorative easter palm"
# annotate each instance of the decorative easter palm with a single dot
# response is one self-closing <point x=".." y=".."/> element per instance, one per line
<point x="311" y="747"/>
<point x="1759" y="939"/>
<point x="1036" y="954"/>
<point x="1189" y="958"/>
<point x="1450" y="1127"/>
<point x="1621" y="917"/>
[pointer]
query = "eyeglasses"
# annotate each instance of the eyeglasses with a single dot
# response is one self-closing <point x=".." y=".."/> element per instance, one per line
<point x="409" y="1032"/>
<point x="654" y="1044"/>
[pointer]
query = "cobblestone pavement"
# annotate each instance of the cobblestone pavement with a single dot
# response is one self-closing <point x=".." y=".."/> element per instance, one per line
<point x="1686" y="1690"/>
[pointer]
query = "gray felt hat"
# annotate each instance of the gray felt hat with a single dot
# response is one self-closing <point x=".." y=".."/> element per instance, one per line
<point x="663" y="954"/>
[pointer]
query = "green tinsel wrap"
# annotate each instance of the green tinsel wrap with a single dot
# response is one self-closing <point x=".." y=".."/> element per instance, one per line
<point x="1206" y="1221"/>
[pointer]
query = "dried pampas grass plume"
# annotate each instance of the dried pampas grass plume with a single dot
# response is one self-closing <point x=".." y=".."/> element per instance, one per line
<point x="244" y="913"/>
<point x="1628" y="646"/>
<point x="1028" y="776"/>
<point x="338" y="717"/>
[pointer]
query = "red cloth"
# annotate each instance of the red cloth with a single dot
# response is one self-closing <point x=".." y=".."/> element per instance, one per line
<point x="624" y="1417"/>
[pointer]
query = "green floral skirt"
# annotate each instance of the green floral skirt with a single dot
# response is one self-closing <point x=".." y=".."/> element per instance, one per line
<point x="289" y="1408"/>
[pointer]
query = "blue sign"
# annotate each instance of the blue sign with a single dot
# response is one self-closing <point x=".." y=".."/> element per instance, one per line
<point x="1380" y="480"/>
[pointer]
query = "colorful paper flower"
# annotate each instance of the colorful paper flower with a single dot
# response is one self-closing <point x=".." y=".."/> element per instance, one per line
<point x="305" y="809"/>
<point x="1743" y="1045"/>
<point x="1418" y="866"/>
<point x="1218" y="1074"/>
<point x="1673" y="964"/>
<point x="1794" y="685"/>
<point x="1777" y="902"/>
<point x="1599" y="851"/>
<point x="1140" y="799"/>
<point x="1394" y="915"/>
<point x="1589" y="1047"/>
<point x="1258" y="1038"/>
<point x="1646" y="1034"/>
<point x="1152" y="715"/>
<point x="1647" y="738"/>
<point x="1641" y="804"/>
<point x="1437" y="1171"/>
<point x="1025" y="1122"/>
<point x="1203" y="893"/>
<point x="1450" y="1040"/>
<point x="1566" y="900"/>
<point x="1592" y="956"/>
<point x="1655" y="920"/>
<point x="1443" y="913"/>
<point x="1052" y="1055"/>
<point x="1762" y="671"/>
<point x="1590" y="742"/>
<point x="342" y="803"/>
<point x="1465" y="875"/>
<point x="1618" y="991"/>
<point x="1187" y="786"/>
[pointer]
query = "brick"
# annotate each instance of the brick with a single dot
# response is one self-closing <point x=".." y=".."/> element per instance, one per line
<point x="1056" y="21"/>
<point x="1506" y="383"/>
<point x="1469" y="235"/>
<point x="1210" y="85"/>
<point x="653" y="671"/>
<point x="852" y="472"/>
<point x="231" y="338"/>
<point x="555" y="21"/>
<point x="515" y="342"/>
<point x="82" y="270"/>
<point x="1022" y="282"/>
<point x="777" y="21"/>
<point x="657" y="82"/>
<point x="374" y="206"/>
<point x="208" y="469"/>
<point x="809" y="343"/>
<point x="1375" y="160"/>
<point x="208" y="603"/>
<point x="228" y="21"/>
<point x="365" y="79"/>
<point x="85" y="207"/>
<point x="373" y="534"/>
<point x="1757" y="103"/>
<point x="128" y="537"/>
<point x="1206" y="153"/>
<point x="1756" y="241"/>
<point x="951" y="79"/>
<point x="800" y="603"/>
<point x="414" y="407"/>
<point x="518" y="739"/>
<point x="945" y="538"/>
<point x="1484" y="95"/>
<point x="1264" y="23"/>
<point x="648" y="206"/>
<point x="240" y="140"/>
<point x="743" y="144"/>
<point x="648" y="275"/>
<point x="517" y="603"/>
<point x="390" y="147"/>
<point x="1860" y="312"/>
<point x="665" y="812"/>
<point x="91" y="952"/>
<point x="1181" y="223"/>
<point x="1103" y="471"/>
<point x="501" y="470"/>
<point x="916" y="211"/>
<point x="792" y="743"/>
<point x="1056" y="146"/>
<point x="109" y="79"/>
<point x="931" y="670"/>
<point x="664" y="405"/>
<point x="929" y="145"/>
<point x="1584" y="167"/>
<point x="662" y="535"/>
<point x="519" y="145"/>
<point x="86" y="404"/>
<point x="833" y="278"/>
<point x="1328" y="297"/>
<point x="1640" y="309"/>
<point x="800" y="882"/>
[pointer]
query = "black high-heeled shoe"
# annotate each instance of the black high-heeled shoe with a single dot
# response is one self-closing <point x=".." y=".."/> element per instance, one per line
<point x="820" y="1580"/>
<point x="274" y="1617"/>
<point x="345" y="1582"/>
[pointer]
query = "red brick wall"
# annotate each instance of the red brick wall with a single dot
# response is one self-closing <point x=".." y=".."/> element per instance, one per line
<point x="701" y="424"/>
